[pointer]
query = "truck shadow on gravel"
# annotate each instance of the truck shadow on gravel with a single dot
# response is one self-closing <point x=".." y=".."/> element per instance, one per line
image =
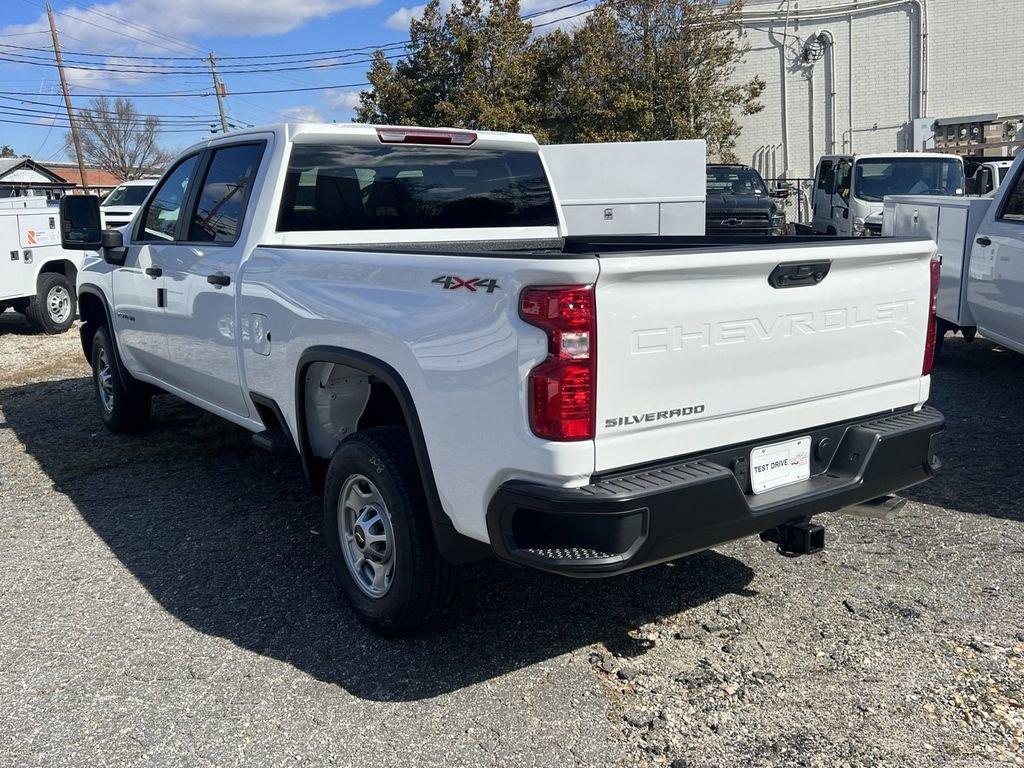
<point x="226" y="538"/>
<point x="978" y="386"/>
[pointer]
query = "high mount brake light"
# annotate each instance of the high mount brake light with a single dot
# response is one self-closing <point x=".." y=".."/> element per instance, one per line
<point x="425" y="136"/>
<point x="930" y="339"/>
<point x="562" y="390"/>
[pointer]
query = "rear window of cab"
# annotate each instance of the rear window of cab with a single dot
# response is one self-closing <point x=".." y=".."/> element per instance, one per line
<point x="344" y="187"/>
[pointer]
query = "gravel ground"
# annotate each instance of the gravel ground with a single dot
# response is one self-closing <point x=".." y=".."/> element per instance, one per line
<point x="163" y="600"/>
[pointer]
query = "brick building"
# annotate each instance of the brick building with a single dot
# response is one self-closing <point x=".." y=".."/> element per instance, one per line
<point x="876" y="75"/>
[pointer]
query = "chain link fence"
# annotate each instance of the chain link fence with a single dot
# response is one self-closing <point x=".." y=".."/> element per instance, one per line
<point x="798" y="205"/>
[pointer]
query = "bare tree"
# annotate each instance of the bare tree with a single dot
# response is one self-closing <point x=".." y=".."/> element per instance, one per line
<point x="116" y="138"/>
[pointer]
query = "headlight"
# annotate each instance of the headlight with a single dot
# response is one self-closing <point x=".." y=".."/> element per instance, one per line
<point x="859" y="228"/>
<point x="778" y="220"/>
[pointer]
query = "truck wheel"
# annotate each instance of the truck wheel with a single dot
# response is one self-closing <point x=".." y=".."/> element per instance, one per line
<point x="124" y="405"/>
<point x="52" y="309"/>
<point x="379" y="537"/>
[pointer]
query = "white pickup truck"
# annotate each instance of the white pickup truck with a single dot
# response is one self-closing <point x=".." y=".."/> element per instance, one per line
<point x="400" y="307"/>
<point x="981" y="242"/>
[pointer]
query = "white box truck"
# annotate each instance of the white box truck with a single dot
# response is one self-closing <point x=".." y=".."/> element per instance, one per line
<point x="849" y="189"/>
<point x="630" y="187"/>
<point x="37" y="276"/>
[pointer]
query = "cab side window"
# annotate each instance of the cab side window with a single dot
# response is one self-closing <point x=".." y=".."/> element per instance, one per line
<point x="1013" y="210"/>
<point x="160" y="219"/>
<point x="225" y="192"/>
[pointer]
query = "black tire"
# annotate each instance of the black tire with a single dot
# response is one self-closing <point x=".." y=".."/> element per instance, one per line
<point x="53" y="308"/>
<point x="124" y="403"/>
<point x="422" y="582"/>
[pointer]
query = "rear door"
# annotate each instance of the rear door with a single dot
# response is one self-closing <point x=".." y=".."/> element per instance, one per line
<point x="200" y="273"/>
<point x="699" y="350"/>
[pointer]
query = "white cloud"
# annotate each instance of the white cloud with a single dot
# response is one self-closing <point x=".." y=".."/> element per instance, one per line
<point x="305" y="114"/>
<point x="399" y="20"/>
<point x="122" y="25"/>
<point x="342" y="100"/>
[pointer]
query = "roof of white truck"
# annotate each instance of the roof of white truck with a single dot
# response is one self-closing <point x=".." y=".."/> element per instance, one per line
<point x="363" y="132"/>
<point x="887" y="155"/>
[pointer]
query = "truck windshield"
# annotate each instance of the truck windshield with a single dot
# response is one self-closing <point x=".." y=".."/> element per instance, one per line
<point x="735" y="181"/>
<point x="134" y="194"/>
<point x="874" y="178"/>
<point x="344" y="187"/>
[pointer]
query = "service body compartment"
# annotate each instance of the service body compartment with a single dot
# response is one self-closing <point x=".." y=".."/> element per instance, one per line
<point x="953" y="224"/>
<point x="630" y="188"/>
<point x="29" y="237"/>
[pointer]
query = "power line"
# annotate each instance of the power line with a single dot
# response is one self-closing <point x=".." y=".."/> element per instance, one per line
<point x="131" y="130"/>
<point x="103" y="111"/>
<point x="154" y="69"/>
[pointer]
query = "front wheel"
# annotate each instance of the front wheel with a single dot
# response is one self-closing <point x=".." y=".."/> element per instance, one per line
<point x="379" y="537"/>
<point x="124" y="404"/>
<point x="52" y="309"/>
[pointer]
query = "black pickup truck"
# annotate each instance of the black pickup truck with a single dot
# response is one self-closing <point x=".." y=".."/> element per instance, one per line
<point x="739" y="203"/>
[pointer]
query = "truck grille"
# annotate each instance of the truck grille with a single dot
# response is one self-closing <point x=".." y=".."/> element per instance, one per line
<point x="117" y="219"/>
<point x="739" y="224"/>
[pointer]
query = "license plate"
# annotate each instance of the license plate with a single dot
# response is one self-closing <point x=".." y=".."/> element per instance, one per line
<point x="772" y="466"/>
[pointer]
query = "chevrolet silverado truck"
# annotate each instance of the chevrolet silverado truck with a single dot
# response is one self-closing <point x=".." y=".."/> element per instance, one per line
<point x="401" y="308"/>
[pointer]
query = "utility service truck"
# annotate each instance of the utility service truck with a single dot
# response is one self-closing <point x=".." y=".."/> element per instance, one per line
<point x="37" y="276"/>
<point x="981" y="243"/>
<point x="403" y="309"/>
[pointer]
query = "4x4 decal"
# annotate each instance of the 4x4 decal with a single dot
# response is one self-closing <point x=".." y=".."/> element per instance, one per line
<point x="453" y="283"/>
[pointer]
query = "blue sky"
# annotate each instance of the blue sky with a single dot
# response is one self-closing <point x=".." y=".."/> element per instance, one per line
<point x="93" y="34"/>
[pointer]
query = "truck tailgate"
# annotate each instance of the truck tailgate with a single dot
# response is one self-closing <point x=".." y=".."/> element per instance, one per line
<point x="697" y="350"/>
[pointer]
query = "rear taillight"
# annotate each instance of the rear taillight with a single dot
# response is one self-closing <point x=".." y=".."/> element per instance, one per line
<point x="562" y="390"/>
<point x="425" y="136"/>
<point x="929" y="343"/>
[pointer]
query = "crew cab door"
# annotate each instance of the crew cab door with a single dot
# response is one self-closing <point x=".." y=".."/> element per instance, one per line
<point x="139" y="285"/>
<point x="200" y="273"/>
<point x="996" y="288"/>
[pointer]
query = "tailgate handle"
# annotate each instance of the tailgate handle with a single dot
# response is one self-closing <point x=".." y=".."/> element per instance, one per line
<point x="795" y="274"/>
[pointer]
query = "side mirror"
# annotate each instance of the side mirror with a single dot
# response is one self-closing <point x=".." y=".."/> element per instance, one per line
<point x="80" y="223"/>
<point x="114" y="251"/>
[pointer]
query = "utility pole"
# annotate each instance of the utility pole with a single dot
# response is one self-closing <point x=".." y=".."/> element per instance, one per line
<point x="220" y="90"/>
<point x="67" y="95"/>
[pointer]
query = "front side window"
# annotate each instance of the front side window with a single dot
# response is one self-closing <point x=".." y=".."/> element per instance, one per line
<point x="341" y="187"/>
<point x="161" y="216"/>
<point x="221" y="206"/>
<point x="874" y="178"/>
<point x="1013" y="210"/>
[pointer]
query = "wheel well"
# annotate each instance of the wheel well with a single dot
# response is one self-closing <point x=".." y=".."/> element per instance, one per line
<point x="340" y="400"/>
<point x="61" y="267"/>
<point x="92" y="314"/>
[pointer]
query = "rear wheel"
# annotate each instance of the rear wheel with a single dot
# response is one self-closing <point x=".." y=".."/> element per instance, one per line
<point x="124" y="404"/>
<point x="52" y="309"/>
<point x="379" y="537"/>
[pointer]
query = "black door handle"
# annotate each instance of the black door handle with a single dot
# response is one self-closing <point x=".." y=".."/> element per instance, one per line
<point x="984" y="240"/>
<point x="218" y="279"/>
<point x="154" y="271"/>
<point x="793" y="275"/>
